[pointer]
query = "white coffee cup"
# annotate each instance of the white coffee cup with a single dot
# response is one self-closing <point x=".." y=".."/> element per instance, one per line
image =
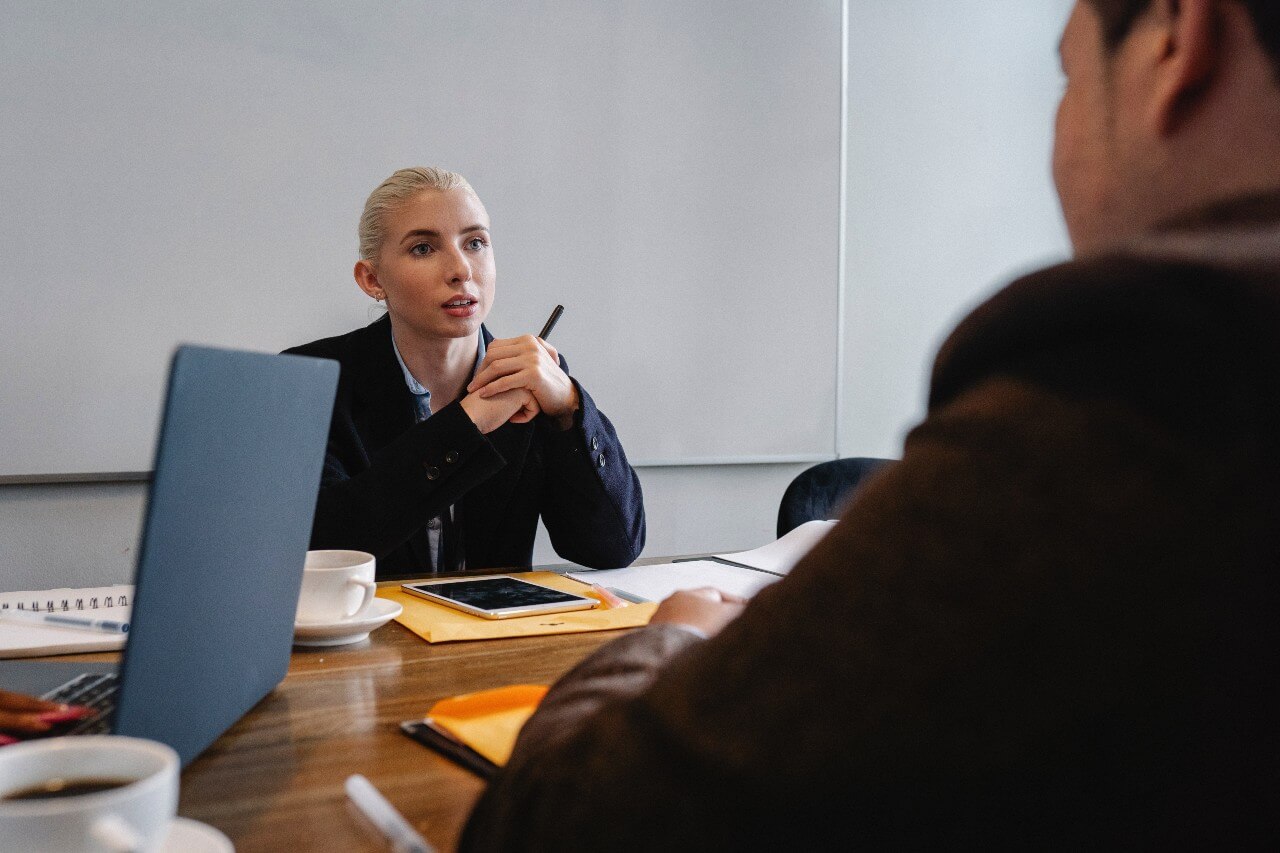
<point x="336" y="586"/>
<point x="135" y="816"/>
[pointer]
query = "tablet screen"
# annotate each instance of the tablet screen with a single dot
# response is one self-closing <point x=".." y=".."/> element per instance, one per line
<point x="499" y="593"/>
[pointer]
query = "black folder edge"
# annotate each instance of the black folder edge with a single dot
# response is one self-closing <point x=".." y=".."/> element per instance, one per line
<point x="425" y="733"/>
<point x="725" y="562"/>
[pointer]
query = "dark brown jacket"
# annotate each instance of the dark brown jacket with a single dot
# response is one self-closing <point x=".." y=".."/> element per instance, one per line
<point x="1052" y="624"/>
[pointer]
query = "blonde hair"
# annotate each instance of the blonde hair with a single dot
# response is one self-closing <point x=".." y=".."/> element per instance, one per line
<point x="402" y="184"/>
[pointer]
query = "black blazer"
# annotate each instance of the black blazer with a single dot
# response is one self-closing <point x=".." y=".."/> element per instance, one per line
<point x="385" y="475"/>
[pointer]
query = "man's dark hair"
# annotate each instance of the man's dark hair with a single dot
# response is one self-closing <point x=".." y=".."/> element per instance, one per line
<point x="1118" y="17"/>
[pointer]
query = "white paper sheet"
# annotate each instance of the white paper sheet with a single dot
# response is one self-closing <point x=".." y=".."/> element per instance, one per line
<point x="656" y="582"/>
<point x="768" y="562"/>
<point x="781" y="554"/>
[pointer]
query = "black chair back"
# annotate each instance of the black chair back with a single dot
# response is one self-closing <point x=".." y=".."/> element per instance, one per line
<point x="822" y="490"/>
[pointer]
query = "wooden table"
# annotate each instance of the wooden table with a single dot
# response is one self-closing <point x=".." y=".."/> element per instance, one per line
<point x="274" y="781"/>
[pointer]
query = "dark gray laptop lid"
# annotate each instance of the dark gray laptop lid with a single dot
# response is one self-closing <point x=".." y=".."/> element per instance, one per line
<point x="228" y="521"/>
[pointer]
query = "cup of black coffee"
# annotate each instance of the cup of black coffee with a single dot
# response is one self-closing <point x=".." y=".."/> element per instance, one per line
<point x="87" y="793"/>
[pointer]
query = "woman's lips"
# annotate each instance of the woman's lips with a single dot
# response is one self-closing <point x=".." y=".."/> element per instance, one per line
<point x="461" y="307"/>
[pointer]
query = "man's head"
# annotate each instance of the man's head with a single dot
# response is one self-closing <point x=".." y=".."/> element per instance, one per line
<point x="1170" y="105"/>
<point x="1118" y="17"/>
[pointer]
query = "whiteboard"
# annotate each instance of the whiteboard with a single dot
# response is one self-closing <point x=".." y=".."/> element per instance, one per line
<point x="193" y="172"/>
<point x="950" y="193"/>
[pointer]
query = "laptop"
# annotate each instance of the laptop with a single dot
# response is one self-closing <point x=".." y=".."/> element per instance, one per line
<point x="228" y="521"/>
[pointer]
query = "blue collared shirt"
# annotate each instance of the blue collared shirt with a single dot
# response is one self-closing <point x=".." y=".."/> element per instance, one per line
<point x="422" y="411"/>
<point x="421" y="396"/>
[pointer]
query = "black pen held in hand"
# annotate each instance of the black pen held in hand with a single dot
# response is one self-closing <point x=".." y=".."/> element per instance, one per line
<point x="551" y="322"/>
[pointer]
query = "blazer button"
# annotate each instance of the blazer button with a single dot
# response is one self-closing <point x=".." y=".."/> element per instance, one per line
<point x="434" y="524"/>
<point x="595" y="442"/>
<point x="600" y="460"/>
<point x="433" y="473"/>
<point x="451" y="457"/>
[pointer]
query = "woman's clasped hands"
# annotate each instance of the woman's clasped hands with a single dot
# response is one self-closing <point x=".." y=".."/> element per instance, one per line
<point x="523" y="376"/>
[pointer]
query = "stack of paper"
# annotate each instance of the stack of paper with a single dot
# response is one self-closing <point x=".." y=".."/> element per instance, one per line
<point x="742" y="573"/>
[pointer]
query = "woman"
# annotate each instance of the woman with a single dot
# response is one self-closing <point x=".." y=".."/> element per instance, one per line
<point x="447" y="443"/>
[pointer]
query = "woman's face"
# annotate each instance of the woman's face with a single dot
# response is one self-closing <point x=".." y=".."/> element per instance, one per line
<point x="435" y="268"/>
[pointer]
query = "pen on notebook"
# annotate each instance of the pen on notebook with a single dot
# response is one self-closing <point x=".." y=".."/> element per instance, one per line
<point x="551" y="321"/>
<point x="383" y="815"/>
<point x="60" y="620"/>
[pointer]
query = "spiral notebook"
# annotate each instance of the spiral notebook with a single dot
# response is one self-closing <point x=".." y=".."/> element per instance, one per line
<point x="26" y="640"/>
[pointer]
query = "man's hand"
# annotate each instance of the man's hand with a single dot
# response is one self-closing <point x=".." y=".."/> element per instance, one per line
<point x="705" y="609"/>
<point x="533" y="364"/>
<point x="488" y="413"/>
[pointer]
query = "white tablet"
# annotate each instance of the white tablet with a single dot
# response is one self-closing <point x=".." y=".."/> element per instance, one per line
<point x="498" y="596"/>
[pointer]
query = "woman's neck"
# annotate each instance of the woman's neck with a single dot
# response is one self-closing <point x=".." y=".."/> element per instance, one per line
<point x="442" y="365"/>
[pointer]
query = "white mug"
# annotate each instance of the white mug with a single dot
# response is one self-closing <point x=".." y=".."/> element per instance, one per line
<point x="134" y="815"/>
<point x="336" y="586"/>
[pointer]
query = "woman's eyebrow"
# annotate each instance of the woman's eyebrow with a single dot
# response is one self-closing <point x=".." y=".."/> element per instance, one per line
<point x="427" y="232"/>
<point x="419" y="232"/>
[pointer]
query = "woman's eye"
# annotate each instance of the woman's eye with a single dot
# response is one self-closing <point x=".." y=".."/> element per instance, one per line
<point x="420" y="249"/>
<point x="476" y="243"/>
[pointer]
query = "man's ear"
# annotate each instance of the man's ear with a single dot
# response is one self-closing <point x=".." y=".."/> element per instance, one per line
<point x="1190" y="50"/>
<point x="367" y="279"/>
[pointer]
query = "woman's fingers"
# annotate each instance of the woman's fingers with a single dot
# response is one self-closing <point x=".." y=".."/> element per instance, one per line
<point x="503" y="384"/>
<point x="489" y="413"/>
<point x="18" y="702"/>
<point x="22" y="722"/>
<point x="528" y="410"/>
<point x="530" y="363"/>
<point x="518" y="353"/>
<point x="500" y="368"/>
<point x="22" y="713"/>
<point x="551" y="351"/>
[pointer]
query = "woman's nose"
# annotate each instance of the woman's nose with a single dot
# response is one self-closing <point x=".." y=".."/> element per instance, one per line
<point x="459" y="267"/>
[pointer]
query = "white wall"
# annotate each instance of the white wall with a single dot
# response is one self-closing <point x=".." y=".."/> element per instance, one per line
<point x="949" y="192"/>
<point x="86" y="534"/>
<point x="949" y="114"/>
<point x="192" y="172"/>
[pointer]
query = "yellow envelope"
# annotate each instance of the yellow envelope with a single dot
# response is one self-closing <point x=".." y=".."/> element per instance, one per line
<point x="490" y="720"/>
<point x="436" y="623"/>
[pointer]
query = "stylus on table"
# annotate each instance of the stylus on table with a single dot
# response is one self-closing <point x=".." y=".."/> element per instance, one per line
<point x="59" y="620"/>
<point x="403" y="837"/>
<point x="610" y="596"/>
<point x="551" y="321"/>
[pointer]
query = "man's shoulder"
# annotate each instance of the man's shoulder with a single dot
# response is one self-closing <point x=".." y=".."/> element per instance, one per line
<point x="1119" y="288"/>
<point x="1108" y="305"/>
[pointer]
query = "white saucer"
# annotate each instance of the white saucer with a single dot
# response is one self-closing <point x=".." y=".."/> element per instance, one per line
<point x="346" y="631"/>
<point x="191" y="836"/>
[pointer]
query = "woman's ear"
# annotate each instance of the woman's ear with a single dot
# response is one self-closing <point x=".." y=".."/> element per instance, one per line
<point x="367" y="279"/>
<point x="1190" y="33"/>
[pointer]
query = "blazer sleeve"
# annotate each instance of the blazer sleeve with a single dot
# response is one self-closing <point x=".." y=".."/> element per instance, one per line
<point x="591" y="501"/>
<point x="412" y="479"/>
<point x="1023" y="621"/>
